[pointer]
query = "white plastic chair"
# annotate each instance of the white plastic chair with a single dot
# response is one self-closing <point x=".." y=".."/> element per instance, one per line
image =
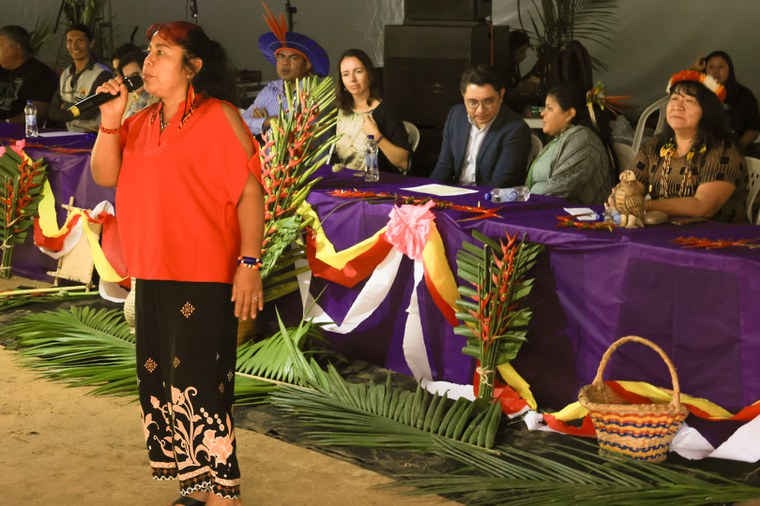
<point x="535" y="148"/>
<point x="625" y="154"/>
<point x="638" y="135"/>
<point x="753" y="167"/>
<point x="413" y="133"/>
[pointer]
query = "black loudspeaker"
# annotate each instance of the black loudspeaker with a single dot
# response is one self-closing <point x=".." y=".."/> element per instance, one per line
<point x="422" y="69"/>
<point x="446" y="10"/>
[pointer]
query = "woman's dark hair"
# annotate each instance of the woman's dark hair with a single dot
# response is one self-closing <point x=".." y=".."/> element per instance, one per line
<point x="344" y="98"/>
<point x="123" y="50"/>
<point x="714" y="127"/>
<point x="215" y="78"/>
<point x="570" y="94"/>
<point x="731" y="81"/>
<point x="137" y="57"/>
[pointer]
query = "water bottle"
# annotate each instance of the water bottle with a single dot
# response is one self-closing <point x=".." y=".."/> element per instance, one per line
<point x="516" y="194"/>
<point x="371" y="171"/>
<point x="30" y="118"/>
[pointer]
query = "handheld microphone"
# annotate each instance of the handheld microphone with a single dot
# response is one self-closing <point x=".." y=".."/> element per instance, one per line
<point x="132" y="83"/>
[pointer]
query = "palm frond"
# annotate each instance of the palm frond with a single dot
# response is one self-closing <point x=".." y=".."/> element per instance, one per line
<point x="95" y="348"/>
<point x="82" y="346"/>
<point x="380" y="416"/>
<point x="567" y="475"/>
<point x="10" y="301"/>
<point x="280" y="357"/>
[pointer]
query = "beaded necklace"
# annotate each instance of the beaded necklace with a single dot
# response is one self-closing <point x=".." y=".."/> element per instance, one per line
<point x="161" y="123"/>
<point x="667" y="152"/>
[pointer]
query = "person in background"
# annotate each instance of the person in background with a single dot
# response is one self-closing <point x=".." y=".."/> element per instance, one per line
<point x="484" y="142"/>
<point x="78" y="81"/>
<point x="522" y="90"/>
<point x="740" y="103"/>
<point x="362" y="112"/>
<point x="120" y="52"/>
<point x="187" y="178"/>
<point x="295" y="56"/>
<point x="577" y="164"/>
<point x="694" y="167"/>
<point x="22" y="77"/>
<point x="139" y="99"/>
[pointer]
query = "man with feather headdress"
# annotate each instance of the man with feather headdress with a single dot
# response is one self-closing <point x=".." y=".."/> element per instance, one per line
<point x="295" y="56"/>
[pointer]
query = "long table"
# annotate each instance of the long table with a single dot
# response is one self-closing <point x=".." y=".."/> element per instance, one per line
<point x="68" y="158"/>
<point x="592" y="287"/>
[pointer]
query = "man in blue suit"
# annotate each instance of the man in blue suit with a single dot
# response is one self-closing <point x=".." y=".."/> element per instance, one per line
<point x="484" y="142"/>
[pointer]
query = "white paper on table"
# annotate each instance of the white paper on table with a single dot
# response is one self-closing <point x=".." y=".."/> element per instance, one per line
<point x="63" y="133"/>
<point x="440" y="190"/>
<point x="582" y="213"/>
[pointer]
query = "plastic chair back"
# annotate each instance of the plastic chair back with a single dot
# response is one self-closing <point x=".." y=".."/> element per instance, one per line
<point x="535" y="148"/>
<point x="639" y="133"/>
<point x="753" y="167"/>
<point x="413" y="133"/>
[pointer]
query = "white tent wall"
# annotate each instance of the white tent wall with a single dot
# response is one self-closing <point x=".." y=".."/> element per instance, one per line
<point x="654" y="38"/>
<point x="237" y="24"/>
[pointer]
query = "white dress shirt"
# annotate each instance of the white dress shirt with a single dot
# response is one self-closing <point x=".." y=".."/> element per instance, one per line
<point x="467" y="176"/>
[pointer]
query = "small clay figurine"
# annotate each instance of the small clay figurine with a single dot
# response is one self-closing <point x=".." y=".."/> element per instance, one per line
<point x="629" y="201"/>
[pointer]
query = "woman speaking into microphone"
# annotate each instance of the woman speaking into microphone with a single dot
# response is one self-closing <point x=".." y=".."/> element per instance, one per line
<point x="190" y="213"/>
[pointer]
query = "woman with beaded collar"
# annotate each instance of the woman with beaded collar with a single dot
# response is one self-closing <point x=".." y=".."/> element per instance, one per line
<point x="187" y="177"/>
<point x="694" y="167"/>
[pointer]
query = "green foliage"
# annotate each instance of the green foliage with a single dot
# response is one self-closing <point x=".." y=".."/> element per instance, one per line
<point x="380" y="416"/>
<point x="21" y="184"/>
<point x="42" y="33"/>
<point x="83" y="346"/>
<point x="9" y="300"/>
<point x="557" y="22"/>
<point x="293" y="150"/>
<point x="88" y="12"/>
<point x="567" y="475"/>
<point x="280" y="357"/>
<point x="94" y="347"/>
<point x="494" y="321"/>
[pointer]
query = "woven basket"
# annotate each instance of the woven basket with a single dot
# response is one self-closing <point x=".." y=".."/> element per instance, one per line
<point x="640" y="431"/>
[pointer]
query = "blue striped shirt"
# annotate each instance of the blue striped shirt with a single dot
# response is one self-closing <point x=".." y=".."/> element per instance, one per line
<point x="269" y="98"/>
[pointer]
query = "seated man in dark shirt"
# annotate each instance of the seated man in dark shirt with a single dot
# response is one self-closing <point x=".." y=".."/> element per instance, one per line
<point x="484" y="142"/>
<point x="22" y="77"/>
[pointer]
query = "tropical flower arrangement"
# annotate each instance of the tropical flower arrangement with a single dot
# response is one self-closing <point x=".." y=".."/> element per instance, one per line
<point x="494" y="319"/>
<point x="293" y="149"/>
<point x="21" y="183"/>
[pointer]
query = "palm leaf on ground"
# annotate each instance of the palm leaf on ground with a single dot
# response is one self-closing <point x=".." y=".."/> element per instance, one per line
<point x="94" y="347"/>
<point x="380" y="416"/>
<point x="567" y="475"/>
<point x="281" y="356"/>
<point x="9" y="300"/>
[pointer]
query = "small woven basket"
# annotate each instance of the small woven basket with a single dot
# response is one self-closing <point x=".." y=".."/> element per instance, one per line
<point x="640" y="431"/>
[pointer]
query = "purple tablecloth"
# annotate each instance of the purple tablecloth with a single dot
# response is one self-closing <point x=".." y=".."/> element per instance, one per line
<point x="69" y="176"/>
<point x="592" y="287"/>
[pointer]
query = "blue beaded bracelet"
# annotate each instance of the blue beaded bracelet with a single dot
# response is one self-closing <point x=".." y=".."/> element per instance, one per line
<point x="250" y="262"/>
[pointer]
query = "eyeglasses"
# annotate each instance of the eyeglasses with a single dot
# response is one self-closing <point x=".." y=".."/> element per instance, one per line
<point x="486" y="104"/>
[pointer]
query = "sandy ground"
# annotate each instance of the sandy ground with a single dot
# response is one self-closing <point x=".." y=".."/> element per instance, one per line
<point x="60" y="445"/>
<point x="63" y="446"/>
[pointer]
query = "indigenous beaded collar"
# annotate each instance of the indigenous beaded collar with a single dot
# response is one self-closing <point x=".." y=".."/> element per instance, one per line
<point x="667" y="152"/>
<point x="192" y="101"/>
